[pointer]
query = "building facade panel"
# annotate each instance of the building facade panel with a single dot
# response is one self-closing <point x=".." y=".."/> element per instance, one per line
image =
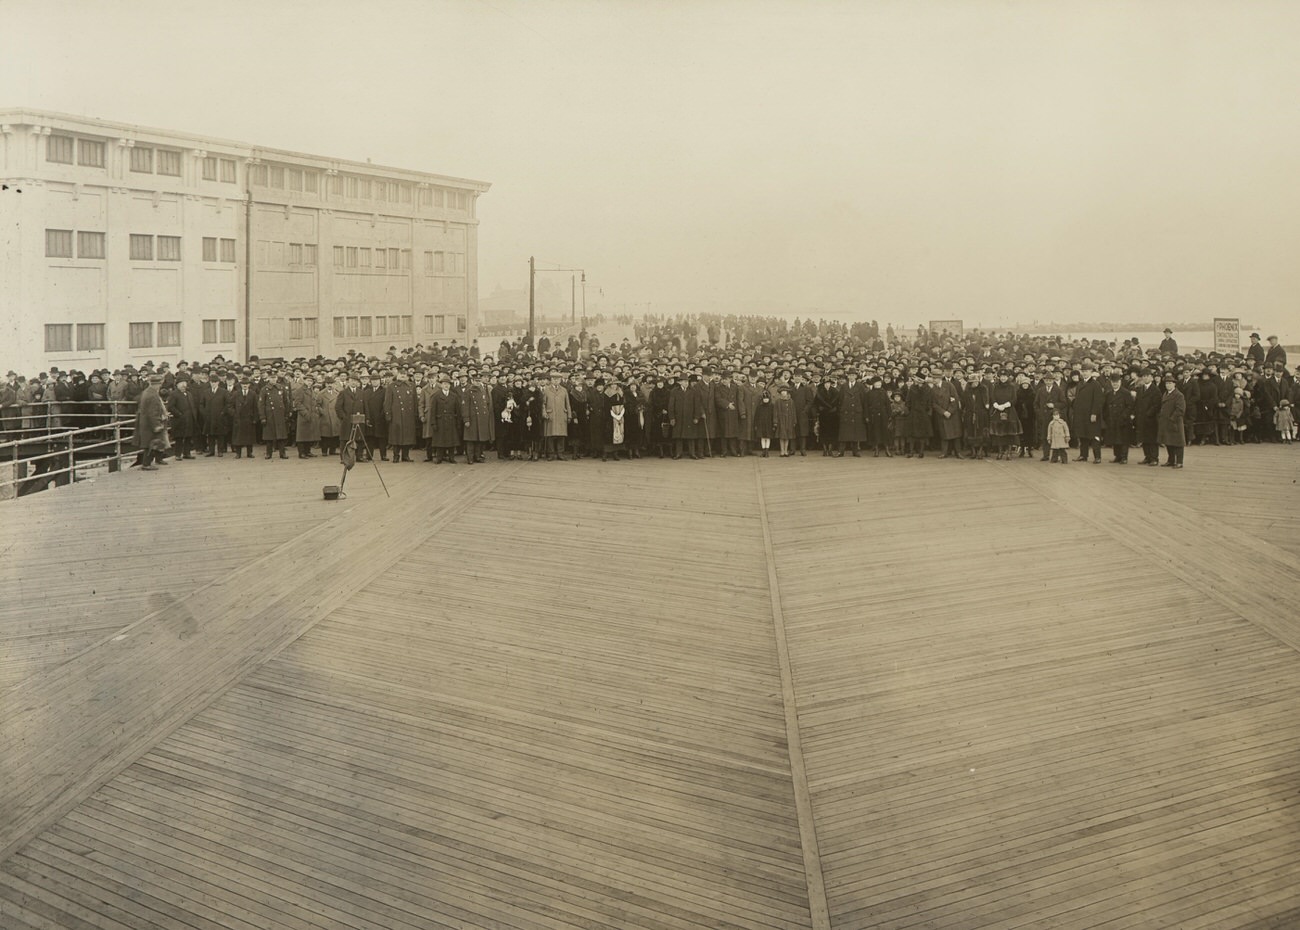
<point x="151" y="244"/>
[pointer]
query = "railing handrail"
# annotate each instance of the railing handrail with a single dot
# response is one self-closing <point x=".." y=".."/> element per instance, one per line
<point x="63" y="435"/>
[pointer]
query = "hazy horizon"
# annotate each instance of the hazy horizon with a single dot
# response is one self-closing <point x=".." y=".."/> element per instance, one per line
<point x="895" y="161"/>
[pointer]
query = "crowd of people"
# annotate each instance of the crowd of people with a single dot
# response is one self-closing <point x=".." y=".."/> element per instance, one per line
<point x="696" y="387"/>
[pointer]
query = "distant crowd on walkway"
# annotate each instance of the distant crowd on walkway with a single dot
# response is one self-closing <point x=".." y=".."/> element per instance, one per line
<point x="693" y="387"/>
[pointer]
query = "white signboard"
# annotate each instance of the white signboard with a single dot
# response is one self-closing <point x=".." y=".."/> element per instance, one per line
<point x="1227" y="335"/>
<point x="952" y="326"/>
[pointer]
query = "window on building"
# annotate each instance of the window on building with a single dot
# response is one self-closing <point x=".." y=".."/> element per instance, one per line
<point x="295" y="253"/>
<point x="406" y="326"/>
<point x="365" y="258"/>
<point x="460" y="324"/>
<point x="353" y="326"/>
<point x="381" y="258"/>
<point x="141" y="336"/>
<point x="364" y="184"/>
<point x="311" y="182"/>
<point x="169" y="163"/>
<point x="394" y="259"/>
<point x="228" y="170"/>
<point x="142" y="159"/>
<point x="336" y="184"/>
<point x="439" y="325"/>
<point x="438" y="197"/>
<point x="311" y="328"/>
<point x="350" y="185"/>
<point x="90" y="337"/>
<point x="58" y="243"/>
<point x="381" y="326"/>
<point x="227" y="250"/>
<point x="90" y="153"/>
<point x="338" y="257"/>
<point x="209" y="249"/>
<point x="439" y="262"/>
<point x="428" y="324"/>
<point x="257" y="175"/>
<point x="352" y="256"/>
<point x="365" y="326"/>
<point x="228" y="331"/>
<point x="295" y="328"/>
<point x="277" y="177"/>
<point x="90" y="245"/>
<point x="59" y="149"/>
<point x="58" y="336"/>
<point x="309" y="254"/>
<point x="404" y="193"/>
<point x="338" y="327"/>
<point x="406" y="259"/>
<point x="141" y="248"/>
<point x="426" y="196"/>
<point x="394" y="326"/>
<point x="169" y="334"/>
<point x="428" y="263"/>
<point x="210" y="168"/>
<point x="209" y="332"/>
<point x="169" y="248"/>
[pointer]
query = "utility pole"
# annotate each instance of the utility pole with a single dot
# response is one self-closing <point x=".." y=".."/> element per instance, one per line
<point x="573" y="299"/>
<point x="531" y="301"/>
<point x="584" y="300"/>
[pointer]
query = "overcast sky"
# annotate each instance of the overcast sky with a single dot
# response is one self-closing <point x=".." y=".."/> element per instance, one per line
<point x="893" y="160"/>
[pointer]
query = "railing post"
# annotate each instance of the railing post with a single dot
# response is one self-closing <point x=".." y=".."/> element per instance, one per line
<point x="72" y="458"/>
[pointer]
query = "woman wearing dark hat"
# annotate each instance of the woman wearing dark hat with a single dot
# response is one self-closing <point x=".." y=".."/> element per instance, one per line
<point x="919" y="425"/>
<point x="1004" y="418"/>
<point x="1173" y="410"/>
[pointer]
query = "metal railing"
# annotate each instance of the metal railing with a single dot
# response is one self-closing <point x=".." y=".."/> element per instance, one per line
<point x="36" y="448"/>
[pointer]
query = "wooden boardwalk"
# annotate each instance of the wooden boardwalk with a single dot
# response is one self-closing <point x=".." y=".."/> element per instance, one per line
<point x="761" y="694"/>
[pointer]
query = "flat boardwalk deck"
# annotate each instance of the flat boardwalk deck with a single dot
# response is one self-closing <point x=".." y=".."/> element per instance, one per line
<point x="761" y="694"/>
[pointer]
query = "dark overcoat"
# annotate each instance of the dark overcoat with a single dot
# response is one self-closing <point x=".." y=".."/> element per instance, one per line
<point x="476" y="413"/>
<point x="1146" y="409"/>
<point x="399" y="411"/>
<point x="1088" y="415"/>
<point x="1173" y="410"/>
<point x="273" y="411"/>
<point x="852" y="412"/>
<point x="947" y="400"/>
<point x="184" y="414"/>
<point x="243" y="416"/>
<point x="444" y="418"/>
<point x="1121" y="413"/>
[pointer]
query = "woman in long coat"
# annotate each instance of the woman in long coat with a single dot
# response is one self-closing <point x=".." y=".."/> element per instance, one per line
<point x="658" y="429"/>
<point x="877" y="413"/>
<point x="1025" y="410"/>
<point x="975" y="403"/>
<point x="533" y="423"/>
<point x="826" y="405"/>
<point x="1004" y="418"/>
<point x="786" y="421"/>
<point x="634" y="407"/>
<point x="764" y="419"/>
<point x="1171" y="432"/>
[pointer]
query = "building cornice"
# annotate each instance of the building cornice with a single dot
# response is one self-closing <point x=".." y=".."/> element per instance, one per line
<point x="131" y="133"/>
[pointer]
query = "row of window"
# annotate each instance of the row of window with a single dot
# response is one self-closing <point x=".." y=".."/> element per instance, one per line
<point x="59" y="244"/>
<point x="65" y="150"/>
<point x="364" y="326"/>
<point x="271" y="253"/>
<point x="90" y="336"/>
<point x="144" y="159"/>
<point x="353" y="256"/>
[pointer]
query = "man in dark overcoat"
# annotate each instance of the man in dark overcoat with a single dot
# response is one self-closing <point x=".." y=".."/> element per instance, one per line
<point x="727" y="402"/>
<point x="1089" y="414"/>
<point x="273" y="406"/>
<point x="1048" y="396"/>
<point x="1146" y="417"/>
<point x="444" y="417"/>
<point x="946" y="405"/>
<point x="1120" y="414"/>
<point x="184" y="418"/>
<point x="400" y="413"/>
<point x="151" y="425"/>
<point x="376" y="421"/>
<point x="476" y="412"/>
<point x="244" y="411"/>
<point x="852" y="413"/>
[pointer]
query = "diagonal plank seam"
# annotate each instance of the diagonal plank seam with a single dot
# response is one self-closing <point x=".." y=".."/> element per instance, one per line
<point x="818" y="906"/>
<point x="37" y="789"/>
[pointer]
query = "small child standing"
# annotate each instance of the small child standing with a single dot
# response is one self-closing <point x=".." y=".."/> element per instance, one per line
<point x="1284" y="420"/>
<point x="1058" y="437"/>
<point x="1237" y="416"/>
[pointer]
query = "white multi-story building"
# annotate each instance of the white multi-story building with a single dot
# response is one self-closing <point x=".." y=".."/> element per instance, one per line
<point x="120" y="243"/>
